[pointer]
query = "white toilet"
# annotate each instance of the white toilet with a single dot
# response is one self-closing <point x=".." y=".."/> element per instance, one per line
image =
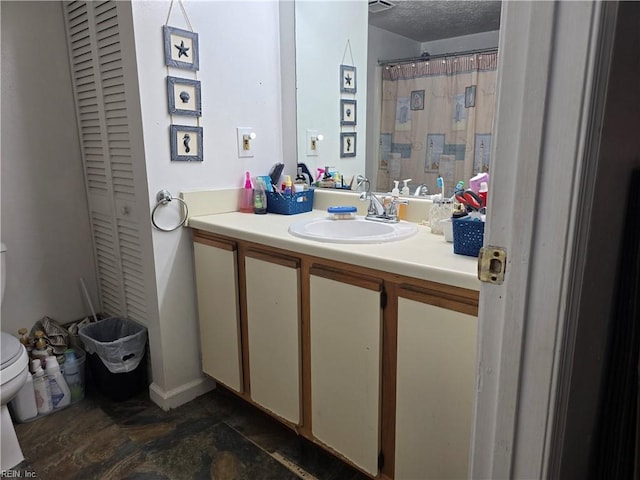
<point x="14" y="369"/>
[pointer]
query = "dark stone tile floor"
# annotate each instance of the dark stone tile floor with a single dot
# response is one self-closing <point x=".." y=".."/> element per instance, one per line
<point x="216" y="436"/>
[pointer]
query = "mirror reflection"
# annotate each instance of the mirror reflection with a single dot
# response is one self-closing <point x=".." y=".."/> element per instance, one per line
<point x="436" y="120"/>
<point x="426" y="100"/>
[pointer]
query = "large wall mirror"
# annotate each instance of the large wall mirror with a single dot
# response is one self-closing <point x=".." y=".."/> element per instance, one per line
<point x="404" y="127"/>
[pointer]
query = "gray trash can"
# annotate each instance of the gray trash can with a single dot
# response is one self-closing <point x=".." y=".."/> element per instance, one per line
<point x="116" y="352"/>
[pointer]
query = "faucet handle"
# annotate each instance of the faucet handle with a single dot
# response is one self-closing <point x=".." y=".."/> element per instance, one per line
<point x="392" y="206"/>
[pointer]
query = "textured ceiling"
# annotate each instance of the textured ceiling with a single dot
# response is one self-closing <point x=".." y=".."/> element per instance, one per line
<point x="428" y="20"/>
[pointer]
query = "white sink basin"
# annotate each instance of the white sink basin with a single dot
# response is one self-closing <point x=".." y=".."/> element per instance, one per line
<point x="357" y="230"/>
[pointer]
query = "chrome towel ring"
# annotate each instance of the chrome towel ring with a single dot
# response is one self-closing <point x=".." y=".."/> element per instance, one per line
<point x="164" y="197"/>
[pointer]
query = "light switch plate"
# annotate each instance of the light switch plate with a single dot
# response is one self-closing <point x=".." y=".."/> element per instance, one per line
<point x="245" y="145"/>
<point x="312" y="146"/>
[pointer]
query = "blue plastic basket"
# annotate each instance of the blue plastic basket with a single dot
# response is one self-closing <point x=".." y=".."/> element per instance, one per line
<point x="468" y="236"/>
<point x="290" y="204"/>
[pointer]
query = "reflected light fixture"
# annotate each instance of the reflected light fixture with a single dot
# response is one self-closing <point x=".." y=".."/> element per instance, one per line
<point x="314" y="141"/>
<point x="376" y="6"/>
<point x="246" y="140"/>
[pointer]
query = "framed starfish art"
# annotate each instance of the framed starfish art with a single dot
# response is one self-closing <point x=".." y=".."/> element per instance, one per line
<point x="347" y="78"/>
<point x="181" y="48"/>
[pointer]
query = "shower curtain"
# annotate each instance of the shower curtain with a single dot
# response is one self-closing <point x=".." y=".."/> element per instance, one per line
<point x="437" y="118"/>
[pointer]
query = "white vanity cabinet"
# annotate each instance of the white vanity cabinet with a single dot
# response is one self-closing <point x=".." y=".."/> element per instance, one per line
<point x="376" y="367"/>
<point x="273" y="331"/>
<point x="345" y="326"/>
<point x="436" y="359"/>
<point x="218" y="308"/>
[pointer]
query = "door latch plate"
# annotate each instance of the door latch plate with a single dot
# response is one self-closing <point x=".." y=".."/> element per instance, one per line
<point x="492" y="262"/>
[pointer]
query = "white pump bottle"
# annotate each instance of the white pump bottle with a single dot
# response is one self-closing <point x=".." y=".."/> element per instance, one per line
<point x="405" y="189"/>
<point x="60" y="393"/>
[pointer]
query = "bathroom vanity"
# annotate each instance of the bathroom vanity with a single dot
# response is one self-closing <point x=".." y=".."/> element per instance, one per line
<point x="367" y="350"/>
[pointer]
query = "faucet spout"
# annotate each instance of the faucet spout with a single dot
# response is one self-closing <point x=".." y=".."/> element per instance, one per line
<point x="376" y="208"/>
<point x="377" y="211"/>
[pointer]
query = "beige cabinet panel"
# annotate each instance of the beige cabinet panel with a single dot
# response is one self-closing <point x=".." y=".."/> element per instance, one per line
<point x="345" y="369"/>
<point x="435" y="391"/>
<point x="217" y="288"/>
<point x="273" y="319"/>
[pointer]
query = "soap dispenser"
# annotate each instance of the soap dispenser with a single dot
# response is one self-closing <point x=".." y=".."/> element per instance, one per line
<point x="405" y="189"/>
<point x="395" y="193"/>
<point x="260" y="198"/>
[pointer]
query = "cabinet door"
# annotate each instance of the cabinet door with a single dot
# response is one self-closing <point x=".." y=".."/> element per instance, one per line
<point x="434" y="391"/>
<point x="217" y="288"/>
<point x="345" y="326"/>
<point x="273" y="324"/>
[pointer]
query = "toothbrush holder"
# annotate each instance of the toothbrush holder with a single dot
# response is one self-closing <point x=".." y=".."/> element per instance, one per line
<point x="439" y="211"/>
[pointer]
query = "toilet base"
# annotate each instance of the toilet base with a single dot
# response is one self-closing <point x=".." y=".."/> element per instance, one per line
<point x="11" y="453"/>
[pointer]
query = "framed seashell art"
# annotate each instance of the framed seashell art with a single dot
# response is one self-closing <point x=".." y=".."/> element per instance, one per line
<point x="184" y="96"/>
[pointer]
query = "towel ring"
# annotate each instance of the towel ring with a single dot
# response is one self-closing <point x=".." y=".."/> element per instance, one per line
<point x="163" y="197"/>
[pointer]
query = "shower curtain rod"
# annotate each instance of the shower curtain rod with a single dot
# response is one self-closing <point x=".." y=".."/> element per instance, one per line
<point x="426" y="58"/>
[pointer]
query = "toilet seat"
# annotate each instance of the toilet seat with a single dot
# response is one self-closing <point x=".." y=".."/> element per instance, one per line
<point x="14" y="357"/>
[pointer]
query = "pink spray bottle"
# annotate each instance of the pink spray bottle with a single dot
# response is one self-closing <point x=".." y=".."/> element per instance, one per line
<point x="246" y="195"/>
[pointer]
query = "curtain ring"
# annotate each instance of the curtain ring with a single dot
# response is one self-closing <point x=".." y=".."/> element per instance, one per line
<point x="164" y="197"/>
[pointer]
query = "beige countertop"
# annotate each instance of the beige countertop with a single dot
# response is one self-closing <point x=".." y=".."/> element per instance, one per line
<point x="424" y="255"/>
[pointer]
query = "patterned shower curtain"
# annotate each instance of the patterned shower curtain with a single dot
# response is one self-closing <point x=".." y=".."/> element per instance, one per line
<point x="437" y="119"/>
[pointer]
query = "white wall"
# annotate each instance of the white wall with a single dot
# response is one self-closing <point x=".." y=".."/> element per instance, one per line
<point x="45" y="220"/>
<point x="240" y="78"/>
<point x="321" y="39"/>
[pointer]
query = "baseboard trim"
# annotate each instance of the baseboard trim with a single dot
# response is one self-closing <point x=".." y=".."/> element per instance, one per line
<point x="180" y="395"/>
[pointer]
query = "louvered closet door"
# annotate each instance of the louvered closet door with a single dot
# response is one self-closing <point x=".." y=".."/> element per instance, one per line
<point x="98" y="75"/>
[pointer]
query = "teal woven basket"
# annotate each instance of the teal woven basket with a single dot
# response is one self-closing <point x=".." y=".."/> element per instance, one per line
<point x="290" y="204"/>
<point x="468" y="236"/>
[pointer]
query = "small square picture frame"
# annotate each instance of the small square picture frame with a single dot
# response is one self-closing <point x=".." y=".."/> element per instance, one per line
<point x="470" y="96"/>
<point x="348" y="144"/>
<point x="184" y="96"/>
<point x="417" y="100"/>
<point x="348" y="112"/>
<point x="348" y="79"/>
<point x="186" y="143"/>
<point x="181" y="48"/>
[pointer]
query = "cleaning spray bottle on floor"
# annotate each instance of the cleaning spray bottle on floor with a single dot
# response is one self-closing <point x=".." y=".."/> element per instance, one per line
<point x="41" y="388"/>
<point x="60" y="393"/>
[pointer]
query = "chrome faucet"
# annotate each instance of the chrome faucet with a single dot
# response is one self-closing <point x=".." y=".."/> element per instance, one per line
<point x="421" y="190"/>
<point x="361" y="181"/>
<point x="377" y="211"/>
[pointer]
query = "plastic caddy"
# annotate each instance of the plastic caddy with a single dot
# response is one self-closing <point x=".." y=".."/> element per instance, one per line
<point x="300" y="202"/>
<point x="117" y="350"/>
<point x="468" y="236"/>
